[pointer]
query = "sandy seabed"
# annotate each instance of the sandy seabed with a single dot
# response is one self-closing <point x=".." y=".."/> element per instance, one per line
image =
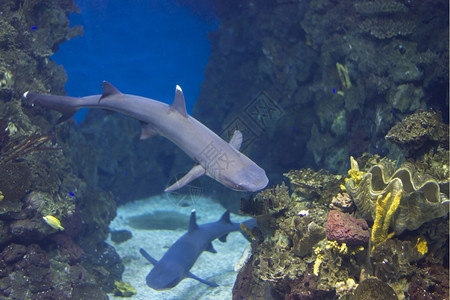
<point x="167" y="212"/>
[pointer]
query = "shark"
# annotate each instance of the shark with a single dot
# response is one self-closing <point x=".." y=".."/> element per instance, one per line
<point x="176" y="263"/>
<point x="213" y="156"/>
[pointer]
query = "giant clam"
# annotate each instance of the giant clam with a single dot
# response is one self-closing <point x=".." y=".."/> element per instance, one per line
<point x="423" y="198"/>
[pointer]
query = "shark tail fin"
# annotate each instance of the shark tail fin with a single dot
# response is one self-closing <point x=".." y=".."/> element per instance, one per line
<point x="63" y="104"/>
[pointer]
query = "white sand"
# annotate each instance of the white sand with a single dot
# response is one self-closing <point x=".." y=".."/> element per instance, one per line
<point x="218" y="267"/>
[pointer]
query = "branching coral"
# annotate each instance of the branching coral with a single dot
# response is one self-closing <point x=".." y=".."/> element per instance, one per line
<point x="385" y="208"/>
<point x="344" y="77"/>
<point x="24" y="145"/>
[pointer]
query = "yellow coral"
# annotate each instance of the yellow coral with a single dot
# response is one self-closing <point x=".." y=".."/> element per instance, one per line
<point x="344" y="77"/>
<point x="1" y="196"/>
<point x="319" y="259"/>
<point x="247" y="231"/>
<point x="343" y="248"/>
<point x="317" y="264"/>
<point x="384" y="210"/>
<point x="355" y="174"/>
<point x="123" y="289"/>
<point x="422" y="246"/>
<point x="337" y="247"/>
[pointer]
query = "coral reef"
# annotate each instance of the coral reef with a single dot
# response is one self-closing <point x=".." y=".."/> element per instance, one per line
<point x="419" y="132"/>
<point x="309" y="185"/>
<point x="343" y="202"/>
<point x="373" y="288"/>
<point x="420" y="201"/>
<point x="36" y="177"/>
<point x="395" y="260"/>
<point x="294" y="257"/>
<point x="430" y="283"/>
<point x="290" y="245"/>
<point x="123" y="289"/>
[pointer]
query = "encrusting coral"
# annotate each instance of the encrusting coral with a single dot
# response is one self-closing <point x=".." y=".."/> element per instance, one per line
<point x="421" y="198"/>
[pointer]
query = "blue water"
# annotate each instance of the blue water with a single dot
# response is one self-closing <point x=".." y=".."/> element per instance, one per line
<point x="143" y="47"/>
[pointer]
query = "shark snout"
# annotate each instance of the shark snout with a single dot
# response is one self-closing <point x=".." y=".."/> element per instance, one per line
<point x="258" y="183"/>
<point x="247" y="179"/>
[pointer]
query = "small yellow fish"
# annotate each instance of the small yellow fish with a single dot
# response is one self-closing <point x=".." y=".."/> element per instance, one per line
<point x="53" y="222"/>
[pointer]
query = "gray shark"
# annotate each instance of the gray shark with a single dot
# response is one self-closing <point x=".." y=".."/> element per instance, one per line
<point x="214" y="157"/>
<point x="175" y="264"/>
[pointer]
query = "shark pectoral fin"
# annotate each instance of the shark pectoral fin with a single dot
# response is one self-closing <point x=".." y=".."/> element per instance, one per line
<point x="223" y="238"/>
<point x="147" y="131"/>
<point x="179" y="104"/>
<point x="148" y="257"/>
<point x="193" y="174"/>
<point x="211" y="249"/>
<point x="212" y="284"/>
<point x="236" y="140"/>
<point x="108" y="90"/>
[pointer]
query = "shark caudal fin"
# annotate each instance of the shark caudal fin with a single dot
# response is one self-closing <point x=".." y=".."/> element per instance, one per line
<point x="63" y="104"/>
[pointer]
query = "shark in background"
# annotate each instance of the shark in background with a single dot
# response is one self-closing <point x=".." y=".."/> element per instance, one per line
<point x="214" y="157"/>
<point x="176" y="263"/>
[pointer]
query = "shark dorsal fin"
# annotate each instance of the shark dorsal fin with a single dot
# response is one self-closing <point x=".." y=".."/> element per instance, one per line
<point x="236" y="140"/>
<point x="108" y="90"/>
<point x="179" y="104"/>
<point x="225" y="218"/>
<point x="192" y="222"/>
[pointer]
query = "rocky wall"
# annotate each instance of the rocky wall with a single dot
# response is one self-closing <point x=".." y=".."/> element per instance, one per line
<point x="59" y="256"/>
